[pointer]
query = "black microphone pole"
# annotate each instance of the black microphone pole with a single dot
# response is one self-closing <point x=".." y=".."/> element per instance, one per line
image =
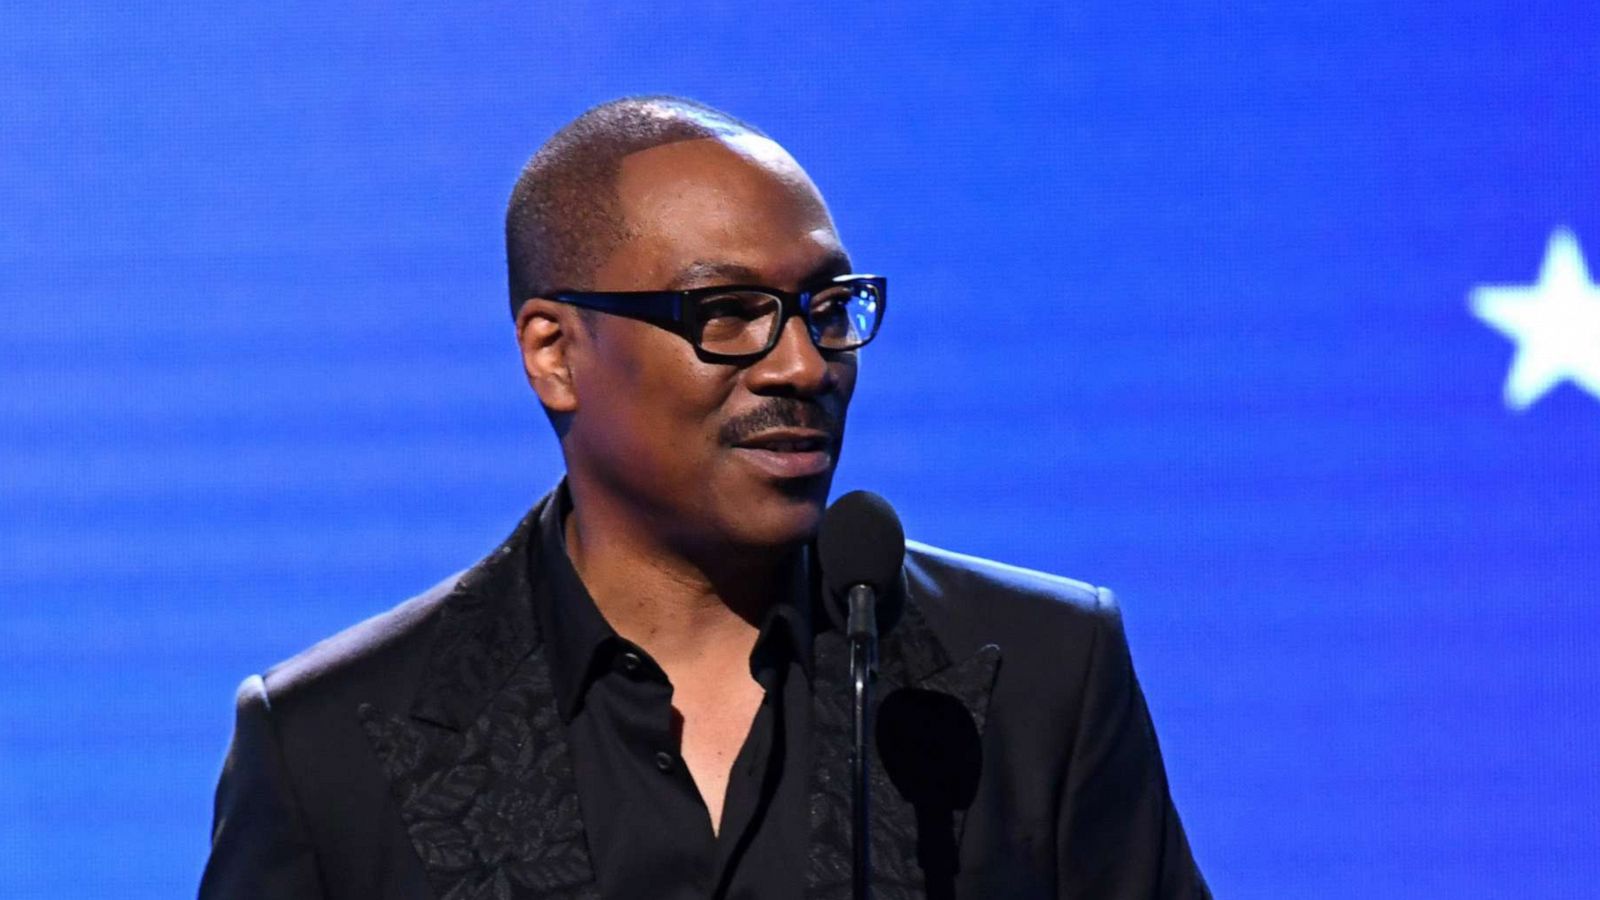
<point x="861" y="546"/>
<point x="862" y="629"/>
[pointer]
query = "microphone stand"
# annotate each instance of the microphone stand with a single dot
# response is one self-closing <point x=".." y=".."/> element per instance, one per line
<point x="862" y="629"/>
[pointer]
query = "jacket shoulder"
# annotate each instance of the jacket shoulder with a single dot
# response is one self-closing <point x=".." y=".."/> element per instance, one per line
<point x="971" y="602"/>
<point x="376" y="659"/>
<point x="383" y="660"/>
<point x="938" y="563"/>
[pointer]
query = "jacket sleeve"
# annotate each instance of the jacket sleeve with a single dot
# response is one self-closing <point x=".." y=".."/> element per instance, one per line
<point x="259" y="845"/>
<point x="1119" y="834"/>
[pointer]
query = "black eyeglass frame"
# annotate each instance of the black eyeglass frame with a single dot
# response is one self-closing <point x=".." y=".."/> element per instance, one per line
<point x="667" y="309"/>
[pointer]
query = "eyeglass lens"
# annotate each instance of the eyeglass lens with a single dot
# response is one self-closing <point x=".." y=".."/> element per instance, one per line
<point x="840" y="317"/>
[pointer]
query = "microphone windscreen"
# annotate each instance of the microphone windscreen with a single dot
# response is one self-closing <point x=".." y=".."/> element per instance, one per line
<point x="861" y="542"/>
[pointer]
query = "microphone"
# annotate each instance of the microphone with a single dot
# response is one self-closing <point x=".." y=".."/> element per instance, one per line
<point x="861" y="547"/>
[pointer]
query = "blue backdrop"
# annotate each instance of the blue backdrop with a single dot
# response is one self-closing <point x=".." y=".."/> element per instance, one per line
<point x="1188" y="301"/>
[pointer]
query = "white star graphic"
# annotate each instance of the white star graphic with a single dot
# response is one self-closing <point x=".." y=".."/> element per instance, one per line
<point x="1555" y="323"/>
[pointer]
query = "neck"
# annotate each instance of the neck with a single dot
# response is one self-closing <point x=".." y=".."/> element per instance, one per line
<point x="682" y="607"/>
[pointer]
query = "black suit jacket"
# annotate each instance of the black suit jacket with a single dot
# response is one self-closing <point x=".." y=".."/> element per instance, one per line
<point x="420" y="755"/>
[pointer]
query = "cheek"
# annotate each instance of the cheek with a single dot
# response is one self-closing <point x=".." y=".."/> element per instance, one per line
<point x="651" y="402"/>
<point x="845" y="370"/>
<point x="848" y="369"/>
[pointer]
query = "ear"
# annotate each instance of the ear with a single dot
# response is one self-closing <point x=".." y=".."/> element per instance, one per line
<point x="545" y="332"/>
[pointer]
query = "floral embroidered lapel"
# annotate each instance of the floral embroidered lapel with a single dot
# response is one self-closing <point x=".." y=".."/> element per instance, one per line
<point x="924" y="772"/>
<point x="480" y="766"/>
<point x="482" y="774"/>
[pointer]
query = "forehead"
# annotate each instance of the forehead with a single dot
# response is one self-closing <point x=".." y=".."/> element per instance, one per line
<point x="737" y="203"/>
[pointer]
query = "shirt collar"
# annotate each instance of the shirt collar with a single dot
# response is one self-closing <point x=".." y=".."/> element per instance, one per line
<point x="575" y="634"/>
<point x="580" y="643"/>
<point x="787" y="631"/>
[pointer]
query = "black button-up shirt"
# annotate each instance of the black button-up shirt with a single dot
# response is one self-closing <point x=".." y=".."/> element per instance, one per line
<point x="648" y="829"/>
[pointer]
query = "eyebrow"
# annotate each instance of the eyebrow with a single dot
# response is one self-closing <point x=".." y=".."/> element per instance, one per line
<point x="712" y="271"/>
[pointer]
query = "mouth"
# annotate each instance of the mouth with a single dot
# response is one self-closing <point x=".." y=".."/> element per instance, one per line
<point x="789" y="452"/>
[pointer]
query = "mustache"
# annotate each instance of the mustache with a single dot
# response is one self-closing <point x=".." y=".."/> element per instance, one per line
<point x="782" y="412"/>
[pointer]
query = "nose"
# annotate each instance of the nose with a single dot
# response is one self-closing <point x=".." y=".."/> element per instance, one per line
<point x="794" y="367"/>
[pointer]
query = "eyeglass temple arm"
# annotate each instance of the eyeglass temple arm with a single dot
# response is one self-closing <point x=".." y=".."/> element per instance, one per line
<point x="657" y="307"/>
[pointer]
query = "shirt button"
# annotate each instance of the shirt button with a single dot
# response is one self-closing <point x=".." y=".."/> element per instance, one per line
<point x="664" y="761"/>
<point x="631" y="662"/>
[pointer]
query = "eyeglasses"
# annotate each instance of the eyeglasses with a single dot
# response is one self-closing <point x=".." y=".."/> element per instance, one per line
<point x="740" y="323"/>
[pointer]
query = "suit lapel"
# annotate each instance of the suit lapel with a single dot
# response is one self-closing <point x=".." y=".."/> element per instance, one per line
<point x="480" y="767"/>
<point x="929" y="715"/>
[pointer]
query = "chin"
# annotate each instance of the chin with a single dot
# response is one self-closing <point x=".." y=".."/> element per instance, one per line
<point x="783" y="516"/>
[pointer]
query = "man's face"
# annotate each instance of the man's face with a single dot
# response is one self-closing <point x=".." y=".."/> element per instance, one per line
<point x="709" y="454"/>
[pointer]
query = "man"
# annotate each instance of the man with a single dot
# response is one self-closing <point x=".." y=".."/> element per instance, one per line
<point x="636" y="695"/>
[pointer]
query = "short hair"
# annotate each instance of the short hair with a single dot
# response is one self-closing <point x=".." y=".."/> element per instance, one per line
<point x="564" y="219"/>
